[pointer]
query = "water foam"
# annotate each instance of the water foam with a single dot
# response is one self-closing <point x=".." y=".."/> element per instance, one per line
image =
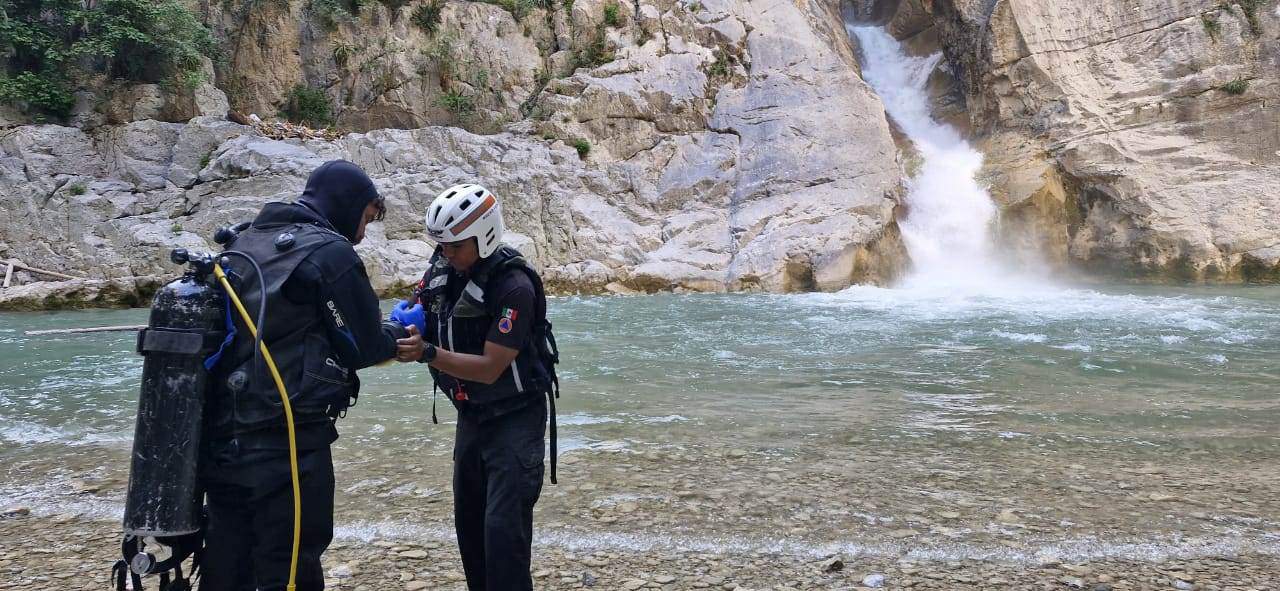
<point x="947" y="227"/>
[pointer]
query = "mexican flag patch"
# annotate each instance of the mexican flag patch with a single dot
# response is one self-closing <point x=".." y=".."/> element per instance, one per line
<point x="508" y="320"/>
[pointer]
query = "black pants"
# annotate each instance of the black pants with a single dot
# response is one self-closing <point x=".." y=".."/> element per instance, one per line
<point x="497" y="477"/>
<point x="249" y="540"/>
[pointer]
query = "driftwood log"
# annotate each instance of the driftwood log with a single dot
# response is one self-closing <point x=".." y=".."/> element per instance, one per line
<point x="33" y="333"/>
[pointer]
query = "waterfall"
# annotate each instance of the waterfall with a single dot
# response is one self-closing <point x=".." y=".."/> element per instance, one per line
<point x="947" y="228"/>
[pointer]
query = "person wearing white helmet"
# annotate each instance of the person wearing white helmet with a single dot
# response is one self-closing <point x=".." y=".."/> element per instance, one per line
<point x="478" y="319"/>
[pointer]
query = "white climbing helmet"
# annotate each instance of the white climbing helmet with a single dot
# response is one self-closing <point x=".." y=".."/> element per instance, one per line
<point x="466" y="211"/>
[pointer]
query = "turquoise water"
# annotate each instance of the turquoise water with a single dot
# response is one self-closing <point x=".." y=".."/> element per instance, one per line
<point x="1017" y="379"/>
<point x="1177" y="367"/>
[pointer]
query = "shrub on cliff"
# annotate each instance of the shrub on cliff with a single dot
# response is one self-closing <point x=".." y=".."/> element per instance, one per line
<point x="49" y="46"/>
<point x="308" y="106"/>
<point x="427" y="16"/>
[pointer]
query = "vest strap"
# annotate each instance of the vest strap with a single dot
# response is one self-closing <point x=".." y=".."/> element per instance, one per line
<point x="184" y="342"/>
<point x="551" y="410"/>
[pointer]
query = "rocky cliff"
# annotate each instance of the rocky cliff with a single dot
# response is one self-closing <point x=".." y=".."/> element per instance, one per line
<point x="1130" y="137"/>
<point x="711" y="146"/>
<point x="688" y="145"/>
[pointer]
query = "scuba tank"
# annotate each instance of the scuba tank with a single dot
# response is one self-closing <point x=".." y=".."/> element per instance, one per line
<point x="164" y="516"/>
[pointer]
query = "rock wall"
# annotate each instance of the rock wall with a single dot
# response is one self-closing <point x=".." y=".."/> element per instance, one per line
<point x="1128" y="137"/>
<point x="719" y="160"/>
<point x="661" y="144"/>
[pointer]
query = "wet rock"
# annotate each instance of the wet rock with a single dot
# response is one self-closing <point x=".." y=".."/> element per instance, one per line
<point x="81" y="487"/>
<point x="874" y="581"/>
<point x="1183" y="585"/>
<point x="16" y="512"/>
<point x="1009" y="517"/>
<point x="1078" y="569"/>
<point x="341" y="571"/>
<point x="1072" y="582"/>
<point x="833" y="564"/>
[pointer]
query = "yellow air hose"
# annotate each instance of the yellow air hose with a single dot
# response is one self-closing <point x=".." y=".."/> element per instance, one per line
<point x="288" y="417"/>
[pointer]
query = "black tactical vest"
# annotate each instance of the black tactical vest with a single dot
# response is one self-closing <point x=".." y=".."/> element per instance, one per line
<point x="319" y="387"/>
<point x="463" y="325"/>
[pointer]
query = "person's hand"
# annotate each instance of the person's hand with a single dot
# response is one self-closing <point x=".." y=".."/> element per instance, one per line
<point x="408" y="315"/>
<point x="411" y="347"/>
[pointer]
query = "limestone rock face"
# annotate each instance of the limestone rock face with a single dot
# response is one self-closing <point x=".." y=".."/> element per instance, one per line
<point x="660" y="145"/>
<point x="109" y="206"/>
<point x="380" y="67"/>
<point x="1139" y="137"/>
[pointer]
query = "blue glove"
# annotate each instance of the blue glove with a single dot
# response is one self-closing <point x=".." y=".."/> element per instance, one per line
<point x="410" y="316"/>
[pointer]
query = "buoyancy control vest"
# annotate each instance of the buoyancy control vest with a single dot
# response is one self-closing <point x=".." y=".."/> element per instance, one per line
<point x="463" y="325"/>
<point x="320" y="387"/>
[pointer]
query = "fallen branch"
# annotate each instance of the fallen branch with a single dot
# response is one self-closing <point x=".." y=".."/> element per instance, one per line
<point x="32" y="333"/>
<point x="16" y="264"/>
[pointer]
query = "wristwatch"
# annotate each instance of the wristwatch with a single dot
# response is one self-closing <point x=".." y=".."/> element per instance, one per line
<point x="428" y="354"/>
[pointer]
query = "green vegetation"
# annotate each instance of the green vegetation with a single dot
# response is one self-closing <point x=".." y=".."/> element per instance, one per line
<point x="176" y="228"/>
<point x="530" y="107"/>
<point x="518" y="8"/>
<point x="644" y="35"/>
<point x="1236" y="87"/>
<point x="443" y="54"/>
<point x="457" y="103"/>
<point x="427" y="16"/>
<point x="76" y="189"/>
<point x="611" y="15"/>
<point x="1211" y="24"/>
<point x="331" y="13"/>
<point x="720" y="67"/>
<point x="1250" y="9"/>
<point x="308" y="106"/>
<point x="395" y="5"/>
<point x="204" y="160"/>
<point x="47" y="46"/>
<point x="583" y="147"/>
<point x="343" y="52"/>
<point x="596" y="52"/>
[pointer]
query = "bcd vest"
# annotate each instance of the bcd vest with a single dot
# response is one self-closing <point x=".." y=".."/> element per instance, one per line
<point x="462" y="326"/>
<point x="319" y="387"/>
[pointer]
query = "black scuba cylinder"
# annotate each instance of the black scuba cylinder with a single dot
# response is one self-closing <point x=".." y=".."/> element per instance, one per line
<point x="187" y="324"/>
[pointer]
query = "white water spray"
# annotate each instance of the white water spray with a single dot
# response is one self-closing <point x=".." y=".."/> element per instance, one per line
<point x="949" y="216"/>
